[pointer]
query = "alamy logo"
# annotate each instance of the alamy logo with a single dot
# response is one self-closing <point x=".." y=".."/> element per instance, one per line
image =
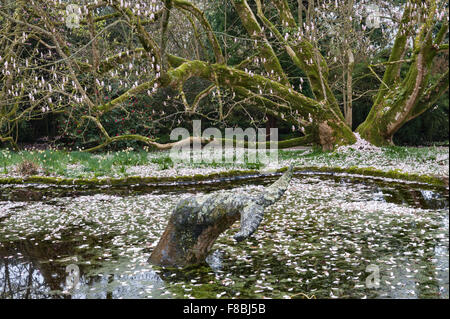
<point x="73" y="13"/>
<point x="373" y="279"/>
<point x="73" y="277"/>
<point x="373" y="19"/>
<point x="238" y="145"/>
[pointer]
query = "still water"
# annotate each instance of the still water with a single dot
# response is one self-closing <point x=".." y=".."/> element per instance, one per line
<point x="330" y="236"/>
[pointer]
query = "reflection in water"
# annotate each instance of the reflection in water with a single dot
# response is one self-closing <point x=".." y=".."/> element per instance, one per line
<point x="26" y="270"/>
<point x="318" y="240"/>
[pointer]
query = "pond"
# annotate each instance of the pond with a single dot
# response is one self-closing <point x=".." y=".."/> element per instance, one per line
<point x="330" y="236"/>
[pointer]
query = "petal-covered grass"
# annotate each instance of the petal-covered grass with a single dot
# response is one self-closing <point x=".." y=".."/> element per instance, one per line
<point x="428" y="161"/>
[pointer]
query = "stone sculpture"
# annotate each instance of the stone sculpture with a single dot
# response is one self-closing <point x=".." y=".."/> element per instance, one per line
<point x="197" y="221"/>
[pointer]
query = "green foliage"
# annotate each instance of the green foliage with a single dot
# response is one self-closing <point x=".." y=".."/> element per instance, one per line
<point x="136" y="117"/>
<point x="164" y="162"/>
<point x="432" y="126"/>
<point x="225" y="20"/>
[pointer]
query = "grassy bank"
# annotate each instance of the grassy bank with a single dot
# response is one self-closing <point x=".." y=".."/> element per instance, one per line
<point x="427" y="164"/>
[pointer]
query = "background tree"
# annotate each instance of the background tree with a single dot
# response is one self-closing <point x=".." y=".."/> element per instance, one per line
<point x="124" y="50"/>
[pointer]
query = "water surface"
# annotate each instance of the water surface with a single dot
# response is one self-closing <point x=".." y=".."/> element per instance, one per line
<point x="318" y="241"/>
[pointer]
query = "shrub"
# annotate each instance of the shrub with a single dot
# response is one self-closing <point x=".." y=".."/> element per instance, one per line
<point x="27" y="168"/>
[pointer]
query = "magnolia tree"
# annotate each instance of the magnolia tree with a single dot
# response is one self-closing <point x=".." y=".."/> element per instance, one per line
<point x="421" y="34"/>
<point x="66" y="55"/>
<point x="351" y="32"/>
<point x="30" y="77"/>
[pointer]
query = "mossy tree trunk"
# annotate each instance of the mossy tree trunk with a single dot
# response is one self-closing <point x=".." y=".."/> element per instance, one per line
<point x="400" y="100"/>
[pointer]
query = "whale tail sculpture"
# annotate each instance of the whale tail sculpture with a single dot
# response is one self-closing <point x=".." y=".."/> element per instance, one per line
<point x="252" y="215"/>
<point x="196" y="222"/>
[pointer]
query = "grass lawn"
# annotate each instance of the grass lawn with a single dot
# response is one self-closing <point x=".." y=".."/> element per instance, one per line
<point x="429" y="161"/>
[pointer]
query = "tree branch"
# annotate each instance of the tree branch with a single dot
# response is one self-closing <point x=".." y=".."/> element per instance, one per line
<point x="430" y="96"/>
<point x="199" y="15"/>
<point x="270" y="60"/>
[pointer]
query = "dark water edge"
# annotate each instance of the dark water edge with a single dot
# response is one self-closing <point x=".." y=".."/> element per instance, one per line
<point x="37" y="192"/>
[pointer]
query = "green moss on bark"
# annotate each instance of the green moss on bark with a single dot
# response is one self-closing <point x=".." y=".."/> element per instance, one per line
<point x="139" y="180"/>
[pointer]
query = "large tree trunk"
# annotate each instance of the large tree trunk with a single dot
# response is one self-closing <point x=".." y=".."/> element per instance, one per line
<point x="325" y="121"/>
<point x="348" y="94"/>
<point x="196" y="222"/>
<point x="401" y="100"/>
<point x="402" y="105"/>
